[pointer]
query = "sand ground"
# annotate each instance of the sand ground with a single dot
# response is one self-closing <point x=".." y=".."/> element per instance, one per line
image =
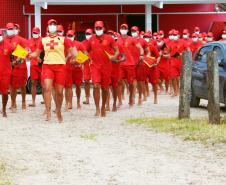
<point x="48" y="153"/>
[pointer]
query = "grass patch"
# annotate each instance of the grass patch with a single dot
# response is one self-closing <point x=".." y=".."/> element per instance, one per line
<point x="197" y="129"/>
<point x="90" y="136"/>
<point x="4" y="176"/>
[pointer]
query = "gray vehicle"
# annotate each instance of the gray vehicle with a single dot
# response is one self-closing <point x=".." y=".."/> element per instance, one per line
<point x="199" y="72"/>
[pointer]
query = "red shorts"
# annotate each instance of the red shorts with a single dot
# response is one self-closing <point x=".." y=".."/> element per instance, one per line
<point x="114" y="81"/>
<point x="152" y="76"/>
<point x="15" y="78"/>
<point x="87" y="71"/>
<point x="35" y="73"/>
<point x="5" y="83"/>
<point x="68" y="79"/>
<point x="77" y="77"/>
<point x="101" y="76"/>
<point x="175" y="67"/>
<point x="23" y="76"/>
<point x="55" y="72"/>
<point x="163" y="71"/>
<point x="139" y="73"/>
<point x="126" y="72"/>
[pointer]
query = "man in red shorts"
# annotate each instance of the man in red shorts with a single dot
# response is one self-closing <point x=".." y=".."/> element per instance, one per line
<point x="15" y="81"/>
<point x="35" y="70"/>
<point x="5" y="70"/>
<point x="176" y="48"/>
<point x="127" y="67"/>
<point x="101" y="64"/>
<point x="87" y="69"/>
<point x="139" y="70"/>
<point x="163" y="70"/>
<point x="195" y="45"/>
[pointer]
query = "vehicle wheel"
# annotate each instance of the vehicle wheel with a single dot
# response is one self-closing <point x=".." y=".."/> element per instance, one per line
<point x="194" y="101"/>
<point x="29" y="85"/>
<point x="38" y="88"/>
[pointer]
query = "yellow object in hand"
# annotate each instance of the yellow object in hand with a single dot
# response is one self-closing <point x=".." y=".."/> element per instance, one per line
<point x="81" y="57"/>
<point x="20" y="52"/>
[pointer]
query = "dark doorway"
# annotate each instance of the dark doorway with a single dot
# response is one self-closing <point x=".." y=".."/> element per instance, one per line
<point x="139" y="21"/>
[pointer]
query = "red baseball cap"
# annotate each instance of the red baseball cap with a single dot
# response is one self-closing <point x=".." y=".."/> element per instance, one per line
<point x="171" y="32"/>
<point x="89" y="31"/>
<point x="117" y="34"/>
<point x="194" y="35"/>
<point x="1" y="32"/>
<point x="9" y="26"/>
<point x="161" y="32"/>
<point x="60" y="28"/>
<point x="110" y="31"/>
<point x="159" y="38"/>
<point x="204" y="34"/>
<point x="155" y="34"/>
<point x="200" y="35"/>
<point x="35" y="30"/>
<point x="135" y="28"/>
<point x="70" y="32"/>
<point x="142" y="33"/>
<point x="196" y="29"/>
<point x="210" y="34"/>
<point x="99" y="24"/>
<point x="185" y="31"/>
<point x="148" y="31"/>
<point x="51" y="20"/>
<point x="124" y="25"/>
<point x="17" y="25"/>
<point x="147" y="35"/>
<point x="176" y="32"/>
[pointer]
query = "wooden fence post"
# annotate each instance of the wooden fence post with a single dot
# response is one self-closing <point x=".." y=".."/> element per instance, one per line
<point x="213" y="87"/>
<point x="185" y="85"/>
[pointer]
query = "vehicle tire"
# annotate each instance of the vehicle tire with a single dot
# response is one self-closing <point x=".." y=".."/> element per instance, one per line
<point x="38" y="87"/>
<point x="194" y="101"/>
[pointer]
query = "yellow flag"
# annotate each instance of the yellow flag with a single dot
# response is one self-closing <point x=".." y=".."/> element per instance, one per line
<point x="20" y="52"/>
<point x="147" y="63"/>
<point x="151" y="57"/>
<point x="81" y="57"/>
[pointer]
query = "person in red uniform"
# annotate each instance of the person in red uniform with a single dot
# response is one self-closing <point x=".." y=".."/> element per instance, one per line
<point x="195" y="45"/>
<point x="23" y="69"/>
<point x="101" y="64"/>
<point x="127" y="67"/>
<point x="139" y="71"/>
<point x="176" y="48"/>
<point x="60" y="30"/>
<point x="115" y="73"/>
<point x="151" y="71"/>
<point x="197" y="30"/>
<point x="200" y="36"/>
<point x="54" y="47"/>
<point x="169" y="39"/>
<point x="15" y="81"/>
<point x="35" y="70"/>
<point x="163" y="70"/>
<point x="210" y="37"/>
<point x="142" y="34"/>
<point x="204" y="34"/>
<point x="155" y="34"/>
<point x="87" y="69"/>
<point x="5" y="70"/>
<point x="186" y="36"/>
<point x="223" y="36"/>
<point x="161" y="33"/>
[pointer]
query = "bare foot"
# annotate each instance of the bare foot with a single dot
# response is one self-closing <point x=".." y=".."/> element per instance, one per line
<point x="107" y="108"/>
<point x="79" y="105"/>
<point x="174" y="95"/>
<point x="59" y="116"/>
<point x="31" y="105"/>
<point x="45" y="112"/>
<point x="131" y="103"/>
<point x="48" y="116"/>
<point x="144" y="99"/>
<point x="140" y="102"/>
<point x="161" y="90"/>
<point x="13" y="110"/>
<point x="42" y="102"/>
<point x="4" y="114"/>
<point x="23" y="105"/>
<point x="103" y="113"/>
<point x="155" y="101"/>
<point x="97" y="112"/>
<point x="123" y="97"/>
<point x="66" y="109"/>
<point x="119" y="105"/>
<point x="166" y="93"/>
<point x="114" y="109"/>
<point x="86" y="102"/>
<point x="171" y="92"/>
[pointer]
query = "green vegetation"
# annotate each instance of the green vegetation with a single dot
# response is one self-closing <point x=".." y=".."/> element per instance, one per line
<point x="91" y="136"/>
<point x="197" y="129"/>
<point x="4" y="176"/>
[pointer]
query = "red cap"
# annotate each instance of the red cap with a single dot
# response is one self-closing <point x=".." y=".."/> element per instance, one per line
<point x="148" y="31"/>
<point x="17" y="25"/>
<point x="194" y="35"/>
<point x="110" y="31"/>
<point x="147" y="35"/>
<point x="210" y="34"/>
<point x="224" y="32"/>
<point x="1" y="32"/>
<point x="9" y="26"/>
<point x="185" y="31"/>
<point x="161" y="32"/>
<point x="135" y="28"/>
<point x="70" y="32"/>
<point x="171" y="32"/>
<point x="196" y="29"/>
<point x="60" y="28"/>
<point x="142" y="33"/>
<point x="204" y="34"/>
<point x="51" y="20"/>
<point x="200" y="35"/>
<point x="117" y="34"/>
<point x="159" y="38"/>
<point x="99" y="24"/>
<point x="89" y="31"/>
<point x="176" y="32"/>
<point x="35" y="30"/>
<point x="124" y="25"/>
<point x="155" y="34"/>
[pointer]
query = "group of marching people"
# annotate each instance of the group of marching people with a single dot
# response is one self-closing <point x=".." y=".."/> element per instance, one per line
<point x="116" y="61"/>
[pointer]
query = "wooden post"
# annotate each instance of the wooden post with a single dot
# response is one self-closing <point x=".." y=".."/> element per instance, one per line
<point x="213" y="87"/>
<point x="185" y="85"/>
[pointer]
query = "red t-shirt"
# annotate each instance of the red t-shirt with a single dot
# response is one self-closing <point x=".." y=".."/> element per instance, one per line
<point x="5" y="50"/>
<point x="136" y="52"/>
<point x="33" y="45"/>
<point x="178" y="46"/>
<point x="153" y="42"/>
<point x="85" y="43"/>
<point x="97" y="47"/>
<point x="189" y="40"/>
<point x="195" y="47"/>
<point x="115" y="67"/>
<point x="128" y="44"/>
<point x="167" y="42"/>
<point x="15" y="40"/>
<point x="154" y="51"/>
<point x="163" y="61"/>
<point x="79" y="46"/>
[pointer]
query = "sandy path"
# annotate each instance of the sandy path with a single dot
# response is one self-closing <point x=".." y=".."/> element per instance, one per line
<point x="41" y="153"/>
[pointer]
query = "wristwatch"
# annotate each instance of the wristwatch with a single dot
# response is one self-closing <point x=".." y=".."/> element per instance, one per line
<point x="141" y="54"/>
